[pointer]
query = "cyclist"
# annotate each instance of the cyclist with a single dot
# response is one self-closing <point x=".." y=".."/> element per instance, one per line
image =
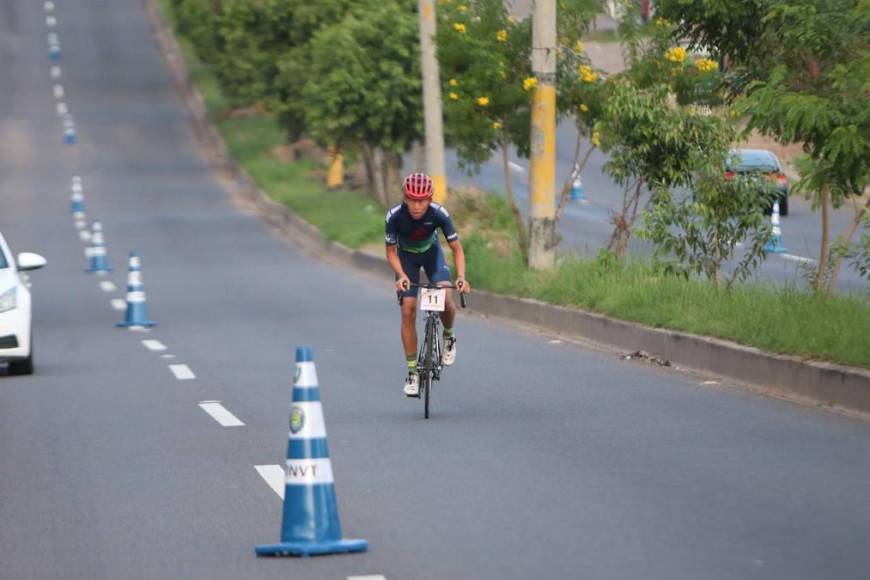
<point x="412" y="243"/>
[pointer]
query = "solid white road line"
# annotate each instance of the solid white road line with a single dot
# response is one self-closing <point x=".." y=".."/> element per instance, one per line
<point x="220" y="414"/>
<point x="119" y="304"/>
<point x="182" y="372"/>
<point x="274" y="476"/>
<point x="154" y="345"/>
<point x="107" y="286"/>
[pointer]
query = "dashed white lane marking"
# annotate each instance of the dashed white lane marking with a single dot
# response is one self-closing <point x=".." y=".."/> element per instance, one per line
<point x="220" y="414"/>
<point x="107" y="286"/>
<point x="274" y="476"/>
<point x="62" y="109"/>
<point x="154" y="345"/>
<point x="369" y="577"/>
<point x="118" y="304"/>
<point x="516" y="167"/>
<point x="182" y="372"/>
<point x="55" y="72"/>
<point x="167" y="356"/>
<point x="798" y="258"/>
<point x="555" y="341"/>
<point x="58" y="91"/>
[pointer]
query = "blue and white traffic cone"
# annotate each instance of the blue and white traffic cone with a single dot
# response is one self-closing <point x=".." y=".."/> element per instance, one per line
<point x="577" y="189"/>
<point x="97" y="255"/>
<point x="77" y="198"/>
<point x="310" y="524"/>
<point x="137" y="305"/>
<point x="69" y="130"/>
<point x="774" y="244"/>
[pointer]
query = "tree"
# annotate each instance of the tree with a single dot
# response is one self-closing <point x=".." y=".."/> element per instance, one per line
<point x="364" y="88"/>
<point x="486" y="73"/>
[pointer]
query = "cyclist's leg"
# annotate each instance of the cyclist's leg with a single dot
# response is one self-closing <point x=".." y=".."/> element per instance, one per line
<point x="411" y="267"/>
<point x="438" y="272"/>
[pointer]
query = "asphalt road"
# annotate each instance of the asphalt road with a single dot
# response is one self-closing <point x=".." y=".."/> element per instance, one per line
<point x="543" y="459"/>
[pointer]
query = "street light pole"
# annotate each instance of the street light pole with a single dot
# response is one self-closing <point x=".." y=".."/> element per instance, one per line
<point x="433" y="122"/>
<point x="542" y="228"/>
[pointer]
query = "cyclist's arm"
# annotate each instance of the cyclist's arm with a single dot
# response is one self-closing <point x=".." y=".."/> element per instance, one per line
<point x="459" y="261"/>
<point x="393" y="259"/>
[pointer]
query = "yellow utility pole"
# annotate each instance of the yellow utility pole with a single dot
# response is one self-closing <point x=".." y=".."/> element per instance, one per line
<point x="335" y="174"/>
<point x="433" y="122"/>
<point x="542" y="228"/>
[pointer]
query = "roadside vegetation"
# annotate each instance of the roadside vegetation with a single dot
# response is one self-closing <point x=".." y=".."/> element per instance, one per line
<point x="667" y="123"/>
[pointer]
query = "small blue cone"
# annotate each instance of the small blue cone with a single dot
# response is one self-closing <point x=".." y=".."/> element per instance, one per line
<point x="54" y="52"/>
<point x="77" y="201"/>
<point x="69" y="136"/>
<point x="310" y="525"/>
<point x="774" y="244"/>
<point x="137" y="305"/>
<point x="98" y="261"/>
<point x="577" y="189"/>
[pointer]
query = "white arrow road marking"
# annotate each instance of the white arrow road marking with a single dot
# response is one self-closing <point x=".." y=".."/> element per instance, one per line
<point x="274" y="476"/>
<point x="154" y="345"/>
<point x="516" y="167"/>
<point x="220" y="414"/>
<point x="798" y="258"/>
<point x="107" y="286"/>
<point x="119" y="304"/>
<point x="182" y="372"/>
<point x="58" y="91"/>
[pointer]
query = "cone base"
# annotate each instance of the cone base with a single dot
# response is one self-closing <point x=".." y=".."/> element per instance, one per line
<point x="312" y="548"/>
<point x="99" y="270"/>
<point x="775" y="249"/>
<point x="144" y="324"/>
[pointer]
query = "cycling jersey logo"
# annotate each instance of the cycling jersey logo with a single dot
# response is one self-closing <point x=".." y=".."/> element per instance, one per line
<point x="297" y="420"/>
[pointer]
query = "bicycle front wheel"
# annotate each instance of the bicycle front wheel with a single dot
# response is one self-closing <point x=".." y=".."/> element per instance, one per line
<point x="429" y="363"/>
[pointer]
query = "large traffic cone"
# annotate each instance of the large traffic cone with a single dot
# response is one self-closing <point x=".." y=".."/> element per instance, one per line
<point x="137" y="305"/>
<point x="774" y="244"/>
<point x="98" y="261"/>
<point x="310" y="525"/>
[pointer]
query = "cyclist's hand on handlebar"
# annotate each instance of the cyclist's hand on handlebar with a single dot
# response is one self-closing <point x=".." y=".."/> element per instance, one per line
<point x="403" y="284"/>
<point x="463" y="286"/>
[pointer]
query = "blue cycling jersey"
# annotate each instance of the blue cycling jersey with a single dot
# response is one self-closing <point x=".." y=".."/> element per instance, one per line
<point x="417" y="236"/>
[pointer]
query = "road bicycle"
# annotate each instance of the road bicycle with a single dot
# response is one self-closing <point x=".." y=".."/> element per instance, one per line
<point x="432" y="300"/>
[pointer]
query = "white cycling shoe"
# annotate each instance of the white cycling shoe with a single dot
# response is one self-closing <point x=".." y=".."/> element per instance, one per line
<point x="412" y="385"/>
<point x="448" y="357"/>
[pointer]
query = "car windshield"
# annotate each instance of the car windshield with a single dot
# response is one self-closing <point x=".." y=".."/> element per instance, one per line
<point x="751" y="162"/>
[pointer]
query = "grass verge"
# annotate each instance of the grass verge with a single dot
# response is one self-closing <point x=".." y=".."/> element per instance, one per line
<point x="773" y="319"/>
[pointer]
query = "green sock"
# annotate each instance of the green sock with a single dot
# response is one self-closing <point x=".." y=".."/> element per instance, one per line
<point x="412" y="363"/>
<point x="448" y="332"/>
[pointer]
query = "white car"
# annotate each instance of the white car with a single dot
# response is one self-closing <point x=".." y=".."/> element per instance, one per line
<point x="16" y="346"/>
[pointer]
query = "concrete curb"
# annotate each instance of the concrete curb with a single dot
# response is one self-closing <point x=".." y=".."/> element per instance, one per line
<point x="834" y="386"/>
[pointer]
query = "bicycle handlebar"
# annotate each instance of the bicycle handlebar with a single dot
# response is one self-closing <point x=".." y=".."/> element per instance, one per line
<point x="430" y="286"/>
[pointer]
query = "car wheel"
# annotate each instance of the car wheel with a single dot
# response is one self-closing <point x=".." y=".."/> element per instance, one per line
<point x="23" y="366"/>
<point x="783" y="207"/>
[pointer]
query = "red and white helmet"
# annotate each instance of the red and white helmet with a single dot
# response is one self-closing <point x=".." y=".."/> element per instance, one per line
<point x="418" y="186"/>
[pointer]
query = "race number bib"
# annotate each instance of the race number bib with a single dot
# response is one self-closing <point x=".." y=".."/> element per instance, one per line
<point x="433" y="299"/>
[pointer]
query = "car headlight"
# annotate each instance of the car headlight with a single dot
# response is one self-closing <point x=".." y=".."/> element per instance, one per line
<point x="9" y="299"/>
